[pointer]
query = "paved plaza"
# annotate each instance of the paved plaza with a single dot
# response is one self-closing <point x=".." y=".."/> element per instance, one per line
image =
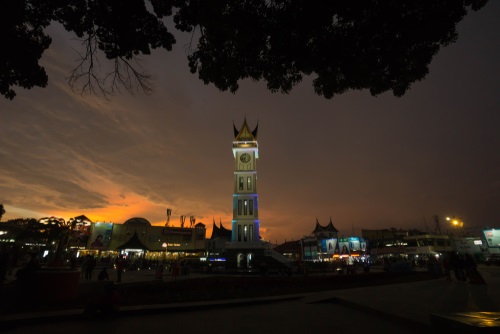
<point x="396" y="308"/>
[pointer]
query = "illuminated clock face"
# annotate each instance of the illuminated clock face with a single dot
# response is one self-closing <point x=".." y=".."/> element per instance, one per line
<point x="245" y="158"/>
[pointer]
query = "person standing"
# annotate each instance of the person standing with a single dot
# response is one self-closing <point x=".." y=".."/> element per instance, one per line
<point x="84" y="267"/>
<point x="91" y="263"/>
<point x="176" y="270"/>
<point x="103" y="275"/>
<point x="446" y="268"/>
<point x="14" y="255"/>
<point x="4" y="262"/>
<point x="471" y="271"/>
<point x="120" y="264"/>
<point x="458" y="267"/>
<point x="159" y="272"/>
<point x="27" y="273"/>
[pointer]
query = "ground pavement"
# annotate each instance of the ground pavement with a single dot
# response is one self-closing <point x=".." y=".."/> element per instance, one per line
<point x="397" y="308"/>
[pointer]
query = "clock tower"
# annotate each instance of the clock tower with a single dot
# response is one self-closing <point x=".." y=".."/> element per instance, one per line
<point x="245" y="223"/>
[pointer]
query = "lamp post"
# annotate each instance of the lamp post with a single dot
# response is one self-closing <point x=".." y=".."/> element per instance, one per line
<point x="165" y="245"/>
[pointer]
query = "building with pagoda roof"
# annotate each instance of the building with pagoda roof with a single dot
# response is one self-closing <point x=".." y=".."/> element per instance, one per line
<point x="328" y="231"/>
<point x="217" y="242"/>
<point x="324" y="244"/>
<point x="81" y="218"/>
<point x="134" y="243"/>
<point x="220" y="232"/>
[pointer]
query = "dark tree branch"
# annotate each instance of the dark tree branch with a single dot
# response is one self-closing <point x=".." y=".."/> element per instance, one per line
<point x="125" y="75"/>
<point x="375" y="45"/>
<point x="83" y="77"/>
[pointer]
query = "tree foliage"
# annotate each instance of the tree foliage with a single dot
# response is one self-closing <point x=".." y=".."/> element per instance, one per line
<point x="2" y="211"/>
<point x="379" y="45"/>
<point x="27" y="229"/>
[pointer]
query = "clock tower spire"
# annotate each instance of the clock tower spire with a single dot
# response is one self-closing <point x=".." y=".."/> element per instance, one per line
<point x="245" y="223"/>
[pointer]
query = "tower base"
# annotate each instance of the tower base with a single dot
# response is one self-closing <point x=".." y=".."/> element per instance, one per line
<point x="254" y="257"/>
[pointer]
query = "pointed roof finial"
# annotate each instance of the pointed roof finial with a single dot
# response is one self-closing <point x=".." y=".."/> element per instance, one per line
<point x="235" y="130"/>
<point x="254" y="132"/>
<point x="244" y="134"/>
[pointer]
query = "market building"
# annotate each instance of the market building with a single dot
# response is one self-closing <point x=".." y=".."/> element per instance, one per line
<point x="137" y="238"/>
<point x="420" y="246"/>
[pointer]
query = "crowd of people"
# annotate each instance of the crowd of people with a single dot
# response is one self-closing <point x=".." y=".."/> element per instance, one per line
<point x="452" y="266"/>
<point x="8" y="260"/>
<point x="463" y="266"/>
<point x="175" y="268"/>
<point x="21" y="265"/>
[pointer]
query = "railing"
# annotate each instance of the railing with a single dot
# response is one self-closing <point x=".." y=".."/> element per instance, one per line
<point x="258" y="245"/>
<point x="278" y="257"/>
<point x="268" y="251"/>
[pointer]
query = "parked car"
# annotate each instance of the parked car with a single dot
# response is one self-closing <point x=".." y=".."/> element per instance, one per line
<point x="492" y="259"/>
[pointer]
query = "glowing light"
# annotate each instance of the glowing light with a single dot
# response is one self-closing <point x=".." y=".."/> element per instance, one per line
<point x="456" y="222"/>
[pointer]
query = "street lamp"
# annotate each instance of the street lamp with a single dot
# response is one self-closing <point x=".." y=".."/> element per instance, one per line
<point x="455" y="222"/>
<point x="456" y="225"/>
<point x="165" y="245"/>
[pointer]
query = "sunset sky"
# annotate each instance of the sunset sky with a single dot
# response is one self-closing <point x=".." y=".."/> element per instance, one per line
<point x="363" y="161"/>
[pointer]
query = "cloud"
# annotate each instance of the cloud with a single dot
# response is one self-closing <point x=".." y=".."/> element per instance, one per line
<point x="365" y="162"/>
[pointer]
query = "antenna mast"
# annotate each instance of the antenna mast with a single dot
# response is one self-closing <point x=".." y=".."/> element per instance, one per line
<point x="169" y="213"/>
<point x="436" y="221"/>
